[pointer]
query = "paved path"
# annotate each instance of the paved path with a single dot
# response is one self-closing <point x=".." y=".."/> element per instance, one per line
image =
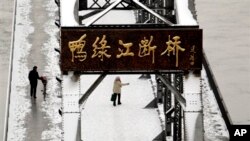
<point x="34" y="119"/>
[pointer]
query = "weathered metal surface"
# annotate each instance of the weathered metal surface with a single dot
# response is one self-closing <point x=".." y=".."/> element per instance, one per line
<point x="178" y="83"/>
<point x="126" y="50"/>
<point x="167" y="107"/>
<point x="174" y="90"/>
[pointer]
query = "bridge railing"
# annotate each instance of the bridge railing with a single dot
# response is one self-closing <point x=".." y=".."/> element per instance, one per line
<point x="216" y="91"/>
<point x="6" y="118"/>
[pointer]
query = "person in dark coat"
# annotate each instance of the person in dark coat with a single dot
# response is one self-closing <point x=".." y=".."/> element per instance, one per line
<point x="33" y="77"/>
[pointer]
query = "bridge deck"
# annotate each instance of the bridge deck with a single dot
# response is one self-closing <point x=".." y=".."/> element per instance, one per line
<point x="130" y="121"/>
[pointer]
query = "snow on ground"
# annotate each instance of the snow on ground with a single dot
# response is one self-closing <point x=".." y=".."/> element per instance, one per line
<point x="214" y="125"/>
<point x="129" y="121"/>
<point x="67" y="13"/>
<point x="184" y="15"/>
<point x="99" y="103"/>
<point x="160" y="109"/>
<point x="114" y="17"/>
<point x="53" y="102"/>
<point x="99" y="113"/>
<point x="20" y="106"/>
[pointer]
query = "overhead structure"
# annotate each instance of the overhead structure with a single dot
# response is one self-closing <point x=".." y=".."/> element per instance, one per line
<point x="102" y="8"/>
<point x="153" y="39"/>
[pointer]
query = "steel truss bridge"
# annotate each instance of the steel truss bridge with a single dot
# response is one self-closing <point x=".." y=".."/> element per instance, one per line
<point x="182" y="115"/>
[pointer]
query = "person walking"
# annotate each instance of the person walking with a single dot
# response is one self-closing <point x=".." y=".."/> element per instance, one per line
<point x="33" y="77"/>
<point x="117" y="90"/>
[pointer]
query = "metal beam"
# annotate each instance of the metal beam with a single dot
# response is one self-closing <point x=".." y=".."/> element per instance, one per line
<point x="170" y="111"/>
<point x="168" y="108"/>
<point x="114" y="4"/>
<point x="90" y="14"/>
<point x="178" y="96"/>
<point x="160" y="137"/>
<point x="178" y="84"/>
<point x="91" y="88"/>
<point x="153" y="13"/>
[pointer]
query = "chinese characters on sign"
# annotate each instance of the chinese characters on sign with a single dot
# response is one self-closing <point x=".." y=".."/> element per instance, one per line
<point x="102" y="49"/>
<point x="118" y="50"/>
<point x="144" y="50"/>
<point x="174" y="47"/>
<point x="127" y="46"/>
<point x="76" y="48"/>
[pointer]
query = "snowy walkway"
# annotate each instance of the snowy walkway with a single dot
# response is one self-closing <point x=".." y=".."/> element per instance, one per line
<point x="127" y="122"/>
<point x="34" y="41"/>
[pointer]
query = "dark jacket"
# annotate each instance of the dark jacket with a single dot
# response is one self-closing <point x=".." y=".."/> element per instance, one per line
<point x="33" y="77"/>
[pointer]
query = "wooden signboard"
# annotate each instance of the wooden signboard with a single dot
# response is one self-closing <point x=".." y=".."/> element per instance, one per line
<point x="130" y="50"/>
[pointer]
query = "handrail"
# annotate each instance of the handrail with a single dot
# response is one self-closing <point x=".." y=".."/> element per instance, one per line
<point x="216" y="91"/>
<point x="6" y="120"/>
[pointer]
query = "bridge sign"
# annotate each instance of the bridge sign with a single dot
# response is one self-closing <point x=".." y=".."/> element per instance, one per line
<point x="130" y="49"/>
